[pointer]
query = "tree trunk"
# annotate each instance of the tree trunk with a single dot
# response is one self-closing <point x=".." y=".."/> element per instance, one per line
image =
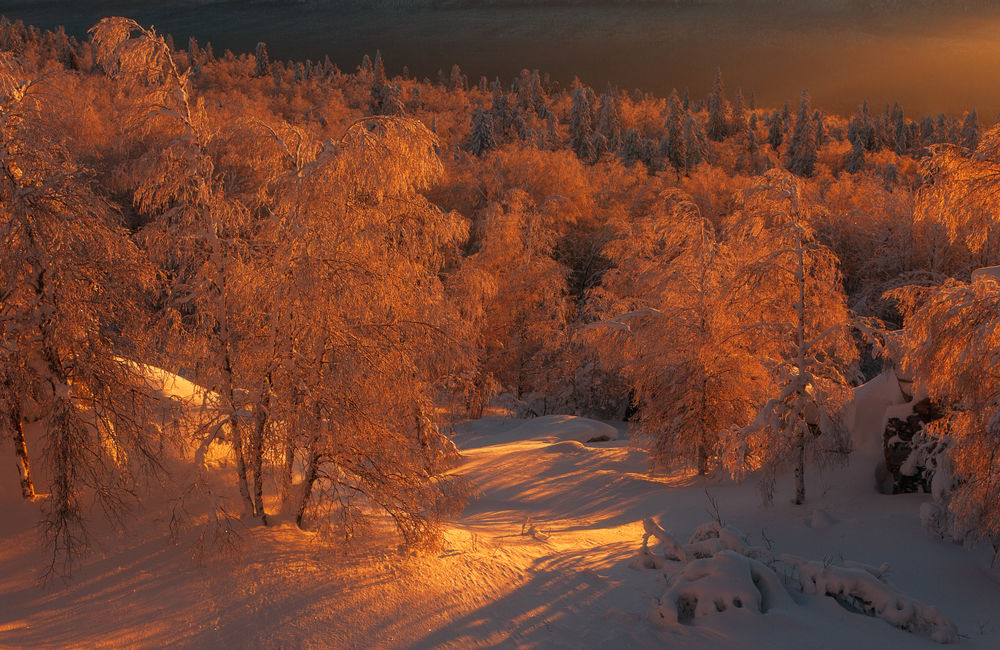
<point x="287" y="467"/>
<point x="241" y="464"/>
<point x="800" y="467"/>
<point x="312" y="470"/>
<point x="20" y="446"/>
<point x="257" y="453"/>
<point x="236" y="434"/>
<point x="800" y="336"/>
<point x="21" y="450"/>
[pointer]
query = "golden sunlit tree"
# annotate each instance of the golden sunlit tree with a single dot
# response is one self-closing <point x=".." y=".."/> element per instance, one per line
<point x="369" y="331"/>
<point x="681" y="344"/>
<point x="71" y="283"/>
<point x="950" y="346"/>
<point x="524" y="319"/>
<point x="305" y="293"/>
<point x="960" y="193"/>
<point x="804" y="338"/>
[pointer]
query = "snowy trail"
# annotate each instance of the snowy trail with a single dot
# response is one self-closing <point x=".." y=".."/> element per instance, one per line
<point x="494" y="583"/>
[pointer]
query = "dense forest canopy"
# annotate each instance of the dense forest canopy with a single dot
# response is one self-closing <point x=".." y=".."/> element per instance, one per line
<point x="346" y="260"/>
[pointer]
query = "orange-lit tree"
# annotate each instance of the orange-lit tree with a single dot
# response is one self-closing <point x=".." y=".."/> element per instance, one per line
<point x="369" y="329"/>
<point x="682" y="344"/>
<point x="72" y="283"/>
<point x="804" y="338"/>
<point x="951" y="346"/>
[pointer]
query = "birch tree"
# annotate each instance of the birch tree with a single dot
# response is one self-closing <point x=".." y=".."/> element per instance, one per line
<point x="951" y="347"/>
<point x="805" y="339"/>
<point x="70" y="301"/>
<point x="681" y="344"/>
<point x="370" y="331"/>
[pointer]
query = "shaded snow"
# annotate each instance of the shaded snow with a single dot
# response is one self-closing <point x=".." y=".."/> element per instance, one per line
<point x="544" y="558"/>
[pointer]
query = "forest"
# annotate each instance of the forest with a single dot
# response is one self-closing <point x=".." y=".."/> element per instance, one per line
<point x="348" y="262"/>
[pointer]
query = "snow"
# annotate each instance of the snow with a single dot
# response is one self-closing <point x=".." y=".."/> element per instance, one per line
<point x="875" y="402"/>
<point x="548" y="556"/>
<point x="986" y="273"/>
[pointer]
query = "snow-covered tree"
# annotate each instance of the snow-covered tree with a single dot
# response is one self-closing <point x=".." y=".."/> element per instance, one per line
<point x="695" y="142"/>
<point x="950" y="346"/>
<point x="262" y="63"/>
<point x="805" y="338"/>
<point x="971" y="131"/>
<point x="70" y="326"/>
<point x="962" y="194"/>
<point x="369" y="330"/>
<point x="775" y="130"/>
<point x="751" y="160"/>
<point x="802" y="148"/>
<point x="307" y="304"/>
<point x="581" y="120"/>
<point x="679" y="336"/>
<point x="861" y="129"/>
<point x="481" y="135"/>
<point x="719" y="110"/>
<point x="524" y="318"/>
<point x="672" y="147"/>
<point x="609" y="120"/>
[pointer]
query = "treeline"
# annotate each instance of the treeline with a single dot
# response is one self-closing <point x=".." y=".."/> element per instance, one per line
<point x="338" y="257"/>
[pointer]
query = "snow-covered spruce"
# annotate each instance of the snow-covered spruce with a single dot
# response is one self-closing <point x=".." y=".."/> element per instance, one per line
<point x="719" y="569"/>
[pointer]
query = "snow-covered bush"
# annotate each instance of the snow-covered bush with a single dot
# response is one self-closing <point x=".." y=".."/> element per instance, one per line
<point x="719" y="569"/>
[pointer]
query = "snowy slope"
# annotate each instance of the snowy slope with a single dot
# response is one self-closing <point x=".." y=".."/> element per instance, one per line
<point x="542" y="559"/>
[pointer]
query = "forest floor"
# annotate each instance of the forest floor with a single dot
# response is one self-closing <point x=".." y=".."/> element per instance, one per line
<point x="543" y="558"/>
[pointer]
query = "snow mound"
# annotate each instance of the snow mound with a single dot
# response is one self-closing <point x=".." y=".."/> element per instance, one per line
<point x="564" y="427"/>
<point x="718" y="570"/>
<point x="566" y="447"/>
<point x="820" y="519"/>
<point x="870" y="406"/>
<point x="986" y="273"/>
<point x="548" y="428"/>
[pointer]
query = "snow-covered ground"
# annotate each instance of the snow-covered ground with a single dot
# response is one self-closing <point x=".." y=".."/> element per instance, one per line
<point x="546" y="557"/>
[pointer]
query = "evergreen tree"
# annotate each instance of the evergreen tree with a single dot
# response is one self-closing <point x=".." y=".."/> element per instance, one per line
<point x="695" y="142"/>
<point x="739" y="113"/>
<point x="384" y="97"/>
<point x="855" y="158"/>
<point x="862" y="128"/>
<point x="456" y="80"/>
<point x="718" y="110"/>
<point x="928" y="136"/>
<point x="818" y="124"/>
<point x="672" y="146"/>
<point x="900" y="132"/>
<point x="802" y="148"/>
<point x="971" y="131"/>
<point x="750" y="160"/>
<point x="481" y="137"/>
<point x="609" y="119"/>
<point x="262" y="67"/>
<point x="581" y="118"/>
<point x="775" y="130"/>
